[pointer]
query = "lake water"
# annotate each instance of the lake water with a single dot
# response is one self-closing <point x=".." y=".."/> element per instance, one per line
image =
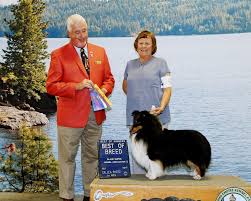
<point x="211" y="93"/>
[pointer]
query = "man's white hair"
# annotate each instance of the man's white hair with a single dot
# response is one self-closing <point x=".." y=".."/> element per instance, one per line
<point x="74" y="19"/>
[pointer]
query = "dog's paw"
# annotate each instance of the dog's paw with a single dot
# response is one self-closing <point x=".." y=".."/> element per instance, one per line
<point x="150" y="176"/>
<point x="197" y="177"/>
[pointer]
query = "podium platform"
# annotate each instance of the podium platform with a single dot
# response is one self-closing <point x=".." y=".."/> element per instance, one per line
<point x="139" y="188"/>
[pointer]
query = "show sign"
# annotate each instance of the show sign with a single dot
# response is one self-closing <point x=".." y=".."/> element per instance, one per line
<point x="113" y="159"/>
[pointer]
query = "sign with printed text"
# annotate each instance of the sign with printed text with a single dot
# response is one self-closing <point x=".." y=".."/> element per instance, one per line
<point x="113" y="159"/>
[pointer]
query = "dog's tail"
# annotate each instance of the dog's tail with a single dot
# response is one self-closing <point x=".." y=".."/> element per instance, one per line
<point x="206" y="159"/>
<point x="202" y="170"/>
<point x="205" y="162"/>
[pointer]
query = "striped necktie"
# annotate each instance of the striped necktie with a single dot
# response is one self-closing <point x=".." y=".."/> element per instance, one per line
<point x="85" y="60"/>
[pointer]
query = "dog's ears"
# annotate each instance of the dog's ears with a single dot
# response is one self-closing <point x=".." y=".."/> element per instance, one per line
<point x="135" y="112"/>
<point x="145" y="112"/>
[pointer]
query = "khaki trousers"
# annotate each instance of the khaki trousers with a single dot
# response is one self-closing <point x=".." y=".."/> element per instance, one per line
<point x="68" y="143"/>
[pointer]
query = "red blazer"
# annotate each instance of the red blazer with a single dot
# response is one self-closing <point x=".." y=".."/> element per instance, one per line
<point x="66" y="70"/>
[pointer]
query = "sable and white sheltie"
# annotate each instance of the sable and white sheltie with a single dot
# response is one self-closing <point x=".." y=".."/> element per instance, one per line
<point x="155" y="148"/>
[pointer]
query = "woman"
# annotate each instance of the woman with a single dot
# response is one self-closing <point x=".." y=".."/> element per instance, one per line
<point x="147" y="81"/>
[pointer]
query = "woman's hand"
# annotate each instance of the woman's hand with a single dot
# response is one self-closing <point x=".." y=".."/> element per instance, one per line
<point x="156" y="110"/>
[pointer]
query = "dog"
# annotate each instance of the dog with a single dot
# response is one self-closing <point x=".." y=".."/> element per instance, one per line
<point x="156" y="149"/>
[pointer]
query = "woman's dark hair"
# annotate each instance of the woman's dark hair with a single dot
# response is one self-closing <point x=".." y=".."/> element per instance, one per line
<point x="146" y="34"/>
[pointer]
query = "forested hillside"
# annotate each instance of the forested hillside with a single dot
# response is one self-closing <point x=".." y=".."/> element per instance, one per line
<point x="164" y="17"/>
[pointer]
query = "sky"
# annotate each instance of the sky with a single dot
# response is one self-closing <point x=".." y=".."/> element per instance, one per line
<point x="7" y="2"/>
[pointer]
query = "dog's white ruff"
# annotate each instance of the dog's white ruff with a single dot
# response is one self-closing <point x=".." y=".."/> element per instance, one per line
<point x="139" y="152"/>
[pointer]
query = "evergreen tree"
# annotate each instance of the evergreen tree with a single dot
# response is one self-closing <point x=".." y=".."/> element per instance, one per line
<point x="23" y="70"/>
<point x="31" y="166"/>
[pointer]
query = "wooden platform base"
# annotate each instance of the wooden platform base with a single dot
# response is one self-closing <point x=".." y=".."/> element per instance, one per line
<point x="139" y="188"/>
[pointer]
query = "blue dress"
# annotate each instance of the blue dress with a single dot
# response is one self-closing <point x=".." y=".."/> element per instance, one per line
<point x="144" y="87"/>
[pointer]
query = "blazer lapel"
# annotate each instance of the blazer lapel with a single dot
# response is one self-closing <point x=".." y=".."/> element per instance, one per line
<point x="90" y="57"/>
<point x="77" y="59"/>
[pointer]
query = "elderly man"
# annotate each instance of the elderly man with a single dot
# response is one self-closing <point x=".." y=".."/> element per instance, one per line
<point x="74" y="69"/>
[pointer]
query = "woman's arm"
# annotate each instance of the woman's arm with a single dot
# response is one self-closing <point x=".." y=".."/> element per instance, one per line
<point x="165" y="98"/>
<point x="167" y="92"/>
<point x="124" y="86"/>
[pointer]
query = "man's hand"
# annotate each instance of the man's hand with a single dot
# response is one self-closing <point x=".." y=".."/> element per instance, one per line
<point x="104" y="90"/>
<point x="84" y="84"/>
